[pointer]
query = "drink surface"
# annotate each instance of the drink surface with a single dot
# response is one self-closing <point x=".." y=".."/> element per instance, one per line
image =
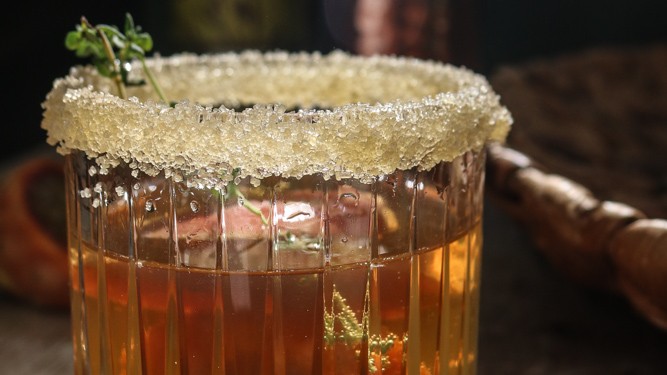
<point x="409" y="314"/>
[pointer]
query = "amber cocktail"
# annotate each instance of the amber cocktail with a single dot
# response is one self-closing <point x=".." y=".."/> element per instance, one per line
<point x="333" y="226"/>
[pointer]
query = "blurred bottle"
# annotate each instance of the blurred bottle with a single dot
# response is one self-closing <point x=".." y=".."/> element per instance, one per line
<point x="434" y="29"/>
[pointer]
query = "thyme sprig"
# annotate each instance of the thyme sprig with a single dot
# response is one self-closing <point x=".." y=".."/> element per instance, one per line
<point x="112" y="52"/>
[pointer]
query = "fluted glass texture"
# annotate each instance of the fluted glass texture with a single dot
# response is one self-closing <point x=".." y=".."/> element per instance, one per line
<point x="284" y="276"/>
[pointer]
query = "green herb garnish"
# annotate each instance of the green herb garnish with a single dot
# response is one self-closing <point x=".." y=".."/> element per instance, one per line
<point x="112" y="51"/>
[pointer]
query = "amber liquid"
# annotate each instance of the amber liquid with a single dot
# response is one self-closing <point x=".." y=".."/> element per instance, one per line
<point x="410" y="314"/>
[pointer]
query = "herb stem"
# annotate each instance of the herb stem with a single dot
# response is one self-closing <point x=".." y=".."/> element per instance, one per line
<point x="108" y="50"/>
<point x="233" y="192"/>
<point x="153" y="81"/>
<point x="252" y="208"/>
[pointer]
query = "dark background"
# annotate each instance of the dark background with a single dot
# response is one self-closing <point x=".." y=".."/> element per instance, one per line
<point x="495" y="32"/>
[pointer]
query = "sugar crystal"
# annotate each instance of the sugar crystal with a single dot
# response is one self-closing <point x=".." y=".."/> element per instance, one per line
<point x="85" y="193"/>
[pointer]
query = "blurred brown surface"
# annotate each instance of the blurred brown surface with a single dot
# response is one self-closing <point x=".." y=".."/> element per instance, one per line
<point x="534" y="321"/>
<point x="33" y="341"/>
<point x="592" y="128"/>
<point x="599" y="118"/>
<point x="600" y="244"/>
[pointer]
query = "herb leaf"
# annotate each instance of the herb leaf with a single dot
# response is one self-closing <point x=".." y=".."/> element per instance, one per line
<point x="111" y="50"/>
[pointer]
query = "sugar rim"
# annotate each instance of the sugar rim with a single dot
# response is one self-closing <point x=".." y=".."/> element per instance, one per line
<point x="204" y="144"/>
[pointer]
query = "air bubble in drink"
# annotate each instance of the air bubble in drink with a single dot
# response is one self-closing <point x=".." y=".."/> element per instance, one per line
<point x="348" y="199"/>
<point x="194" y="206"/>
<point x="150" y="206"/>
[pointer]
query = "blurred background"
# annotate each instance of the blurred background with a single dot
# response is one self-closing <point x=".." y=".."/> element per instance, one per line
<point x="482" y="34"/>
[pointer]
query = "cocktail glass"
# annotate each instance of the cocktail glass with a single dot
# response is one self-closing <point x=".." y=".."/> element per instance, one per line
<point x="333" y="226"/>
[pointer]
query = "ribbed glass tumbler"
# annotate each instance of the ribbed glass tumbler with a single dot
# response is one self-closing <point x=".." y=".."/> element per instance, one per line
<point x="289" y="214"/>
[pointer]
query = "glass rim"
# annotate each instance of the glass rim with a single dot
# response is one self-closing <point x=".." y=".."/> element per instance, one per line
<point x="383" y="114"/>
